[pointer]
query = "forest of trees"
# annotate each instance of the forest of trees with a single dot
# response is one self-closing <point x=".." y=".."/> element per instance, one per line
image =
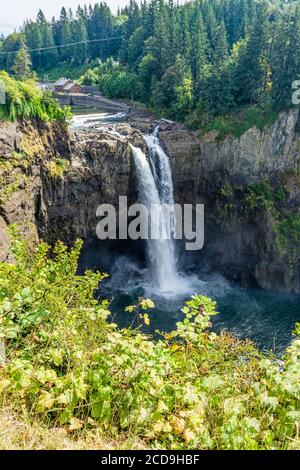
<point x="208" y="56"/>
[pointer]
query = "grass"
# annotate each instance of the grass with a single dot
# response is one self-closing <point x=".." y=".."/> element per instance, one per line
<point x="68" y="70"/>
<point x="236" y="123"/>
<point x="18" y="431"/>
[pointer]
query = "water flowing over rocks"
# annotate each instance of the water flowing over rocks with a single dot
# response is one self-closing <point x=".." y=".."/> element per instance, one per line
<point x="53" y="179"/>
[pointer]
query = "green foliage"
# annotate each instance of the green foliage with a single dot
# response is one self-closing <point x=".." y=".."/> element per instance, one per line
<point x="258" y="195"/>
<point x="8" y="189"/>
<point x="250" y="198"/>
<point x="285" y="58"/>
<point x="22" y="64"/>
<point x="227" y="191"/>
<point x="90" y="77"/>
<point x="288" y="235"/>
<point x="236" y="53"/>
<point x="113" y="80"/>
<point x="67" y="364"/>
<point x="25" y="100"/>
<point x="57" y="167"/>
<point x="264" y="197"/>
<point x="121" y="84"/>
<point x="57" y="71"/>
<point x="236" y="123"/>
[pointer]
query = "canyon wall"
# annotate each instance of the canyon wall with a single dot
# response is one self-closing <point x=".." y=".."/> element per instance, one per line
<point x="251" y="190"/>
<point x="52" y="180"/>
<point x="27" y="149"/>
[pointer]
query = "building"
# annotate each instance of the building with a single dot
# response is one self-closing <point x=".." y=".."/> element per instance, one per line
<point x="65" y="85"/>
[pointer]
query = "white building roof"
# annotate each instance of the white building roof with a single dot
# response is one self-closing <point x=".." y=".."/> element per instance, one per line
<point x="62" y="82"/>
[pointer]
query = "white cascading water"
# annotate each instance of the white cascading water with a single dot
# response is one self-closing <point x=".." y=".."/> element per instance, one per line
<point x="161" y="168"/>
<point x="156" y="189"/>
<point x="86" y="121"/>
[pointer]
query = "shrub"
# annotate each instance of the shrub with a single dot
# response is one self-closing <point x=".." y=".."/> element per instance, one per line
<point x="121" y="84"/>
<point x="66" y="363"/>
<point x="90" y="77"/>
<point x="288" y="236"/>
<point x="114" y="81"/>
<point x="25" y="100"/>
<point x="258" y="195"/>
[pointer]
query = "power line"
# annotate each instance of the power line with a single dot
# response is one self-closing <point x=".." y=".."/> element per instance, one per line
<point x="65" y="45"/>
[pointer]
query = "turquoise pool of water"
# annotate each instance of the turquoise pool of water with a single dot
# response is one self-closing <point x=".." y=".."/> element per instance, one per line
<point x="268" y="318"/>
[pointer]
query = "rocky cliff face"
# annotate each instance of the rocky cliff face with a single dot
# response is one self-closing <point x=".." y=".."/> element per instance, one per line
<point x="204" y="164"/>
<point x="53" y="180"/>
<point x="25" y="151"/>
<point x="251" y="191"/>
<point x="100" y="170"/>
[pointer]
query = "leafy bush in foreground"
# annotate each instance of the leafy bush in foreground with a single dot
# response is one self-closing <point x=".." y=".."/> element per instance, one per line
<point x="25" y="100"/>
<point x="66" y="364"/>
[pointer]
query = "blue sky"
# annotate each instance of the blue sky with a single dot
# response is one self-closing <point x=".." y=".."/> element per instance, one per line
<point x="14" y="12"/>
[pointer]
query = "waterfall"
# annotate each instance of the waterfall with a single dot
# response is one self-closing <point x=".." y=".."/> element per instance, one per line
<point x="162" y="174"/>
<point x="156" y="190"/>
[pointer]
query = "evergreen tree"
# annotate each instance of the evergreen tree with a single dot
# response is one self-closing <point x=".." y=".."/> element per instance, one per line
<point x="206" y="54"/>
<point x="128" y="30"/>
<point x="41" y="19"/>
<point x="34" y="40"/>
<point x="211" y="24"/>
<point x="48" y="57"/>
<point x="22" y="64"/>
<point x="136" y="45"/>
<point x="220" y="49"/>
<point x="148" y="72"/>
<point x="286" y="58"/>
<point x="185" y="36"/>
<point x="158" y="44"/>
<point x="183" y="88"/>
<point x="10" y="46"/>
<point x="79" y="34"/>
<point x="100" y="25"/>
<point x="200" y="54"/>
<point x="65" y="36"/>
<point x="173" y="32"/>
<point x="250" y="73"/>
